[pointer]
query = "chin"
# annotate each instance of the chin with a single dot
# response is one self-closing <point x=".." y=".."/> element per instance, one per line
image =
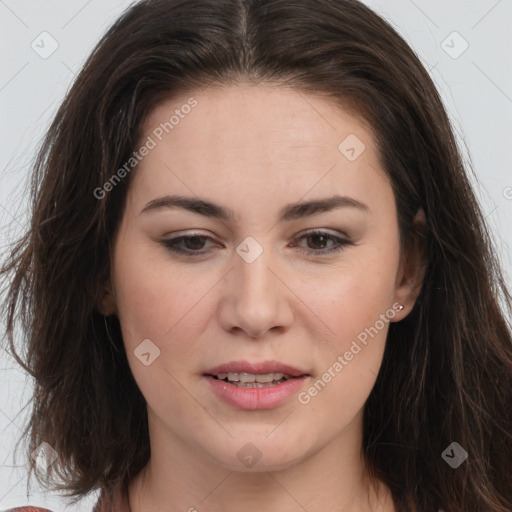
<point x="255" y="453"/>
<point x="260" y="466"/>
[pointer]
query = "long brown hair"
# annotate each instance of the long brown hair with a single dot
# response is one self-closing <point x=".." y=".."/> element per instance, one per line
<point x="446" y="375"/>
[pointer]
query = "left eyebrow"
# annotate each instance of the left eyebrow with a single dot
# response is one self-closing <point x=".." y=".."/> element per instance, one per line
<point x="289" y="212"/>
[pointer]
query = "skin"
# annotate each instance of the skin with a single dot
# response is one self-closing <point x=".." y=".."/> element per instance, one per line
<point x="255" y="149"/>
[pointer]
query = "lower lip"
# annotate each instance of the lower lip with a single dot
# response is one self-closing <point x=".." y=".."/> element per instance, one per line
<point x="255" y="398"/>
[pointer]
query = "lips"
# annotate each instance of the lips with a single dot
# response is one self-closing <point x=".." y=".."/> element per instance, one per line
<point x="256" y="368"/>
<point x="256" y="385"/>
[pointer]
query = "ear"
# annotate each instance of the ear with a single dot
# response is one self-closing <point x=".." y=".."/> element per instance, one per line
<point x="412" y="268"/>
<point x="106" y="302"/>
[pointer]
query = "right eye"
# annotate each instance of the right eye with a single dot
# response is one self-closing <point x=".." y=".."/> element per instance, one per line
<point x="188" y="245"/>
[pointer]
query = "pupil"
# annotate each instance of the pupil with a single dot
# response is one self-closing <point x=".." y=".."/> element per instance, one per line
<point x="322" y="237"/>
<point x="190" y="242"/>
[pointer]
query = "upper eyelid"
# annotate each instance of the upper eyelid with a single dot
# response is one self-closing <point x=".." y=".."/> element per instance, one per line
<point x="339" y="240"/>
<point x="323" y="231"/>
<point x="339" y="243"/>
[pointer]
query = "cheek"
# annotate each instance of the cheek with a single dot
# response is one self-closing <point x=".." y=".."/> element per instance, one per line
<point x="140" y="305"/>
<point x="352" y="297"/>
<point x="163" y="303"/>
<point x="356" y="307"/>
<point x="151" y="295"/>
<point x="350" y="356"/>
<point x="160" y="306"/>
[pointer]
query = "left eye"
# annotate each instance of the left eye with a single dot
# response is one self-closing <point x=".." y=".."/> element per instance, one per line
<point x="193" y="245"/>
<point x="321" y="238"/>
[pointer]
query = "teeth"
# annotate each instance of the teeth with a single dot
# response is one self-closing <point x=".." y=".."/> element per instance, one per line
<point x="256" y="384"/>
<point x="269" y="377"/>
<point x="248" y="378"/>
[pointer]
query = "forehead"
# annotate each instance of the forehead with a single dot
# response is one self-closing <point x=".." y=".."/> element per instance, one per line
<point x="265" y="140"/>
<point x="253" y="114"/>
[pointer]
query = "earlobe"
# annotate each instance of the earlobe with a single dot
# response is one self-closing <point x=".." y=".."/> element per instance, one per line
<point x="107" y="303"/>
<point x="413" y="266"/>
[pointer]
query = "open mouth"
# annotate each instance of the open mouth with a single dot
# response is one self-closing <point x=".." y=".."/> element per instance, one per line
<point x="251" y="380"/>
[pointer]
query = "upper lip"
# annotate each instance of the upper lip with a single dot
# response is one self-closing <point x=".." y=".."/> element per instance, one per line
<point x="261" y="367"/>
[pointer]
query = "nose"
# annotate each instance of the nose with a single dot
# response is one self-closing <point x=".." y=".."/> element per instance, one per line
<point x="255" y="298"/>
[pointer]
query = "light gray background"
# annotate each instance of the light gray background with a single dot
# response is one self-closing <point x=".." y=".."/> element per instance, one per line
<point x="476" y="87"/>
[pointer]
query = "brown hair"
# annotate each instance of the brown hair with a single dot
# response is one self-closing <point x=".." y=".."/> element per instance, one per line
<point x="447" y="370"/>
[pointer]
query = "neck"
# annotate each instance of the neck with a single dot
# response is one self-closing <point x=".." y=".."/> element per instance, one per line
<point x="333" y="479"/>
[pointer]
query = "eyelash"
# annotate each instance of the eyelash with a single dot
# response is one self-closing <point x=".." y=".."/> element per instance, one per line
<point x="341" y="242"/>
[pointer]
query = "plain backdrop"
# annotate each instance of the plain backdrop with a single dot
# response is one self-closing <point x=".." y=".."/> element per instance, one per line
<point x="465" y="45"/>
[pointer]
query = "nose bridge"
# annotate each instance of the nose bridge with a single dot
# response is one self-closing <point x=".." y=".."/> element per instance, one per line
<point x="254" y="278"/>
<point x="255" y="294"/>
<point x="255" y="300"/>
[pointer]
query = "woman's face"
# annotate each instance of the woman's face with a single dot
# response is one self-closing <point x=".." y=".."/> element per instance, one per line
<point x="251" y="289"/>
